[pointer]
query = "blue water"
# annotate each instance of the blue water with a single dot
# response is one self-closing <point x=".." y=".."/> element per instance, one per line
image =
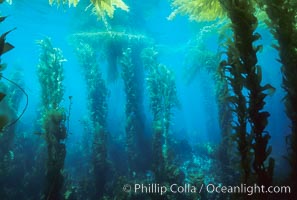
<point x="195" y="120"/>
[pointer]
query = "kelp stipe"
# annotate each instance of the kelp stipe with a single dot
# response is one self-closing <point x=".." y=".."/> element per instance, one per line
<point x="97" y="93"/>
<point x="132" y="109"/>
<point x="247" y="73"/>
<point x="237" y="102"/>
<point x="51" y="75"/>
<point x="283" y="25"/>
<point x="161" y="87"/>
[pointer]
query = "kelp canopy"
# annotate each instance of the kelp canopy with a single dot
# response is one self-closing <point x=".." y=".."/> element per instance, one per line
<point x="206" y="10"/>
<point x="197" y="10"/>
<point x="100" y="7"/>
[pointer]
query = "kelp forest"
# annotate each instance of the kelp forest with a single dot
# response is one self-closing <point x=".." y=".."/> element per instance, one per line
<point x="148" y="100"/>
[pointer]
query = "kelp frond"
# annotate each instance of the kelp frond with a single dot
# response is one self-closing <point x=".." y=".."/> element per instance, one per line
<point x="69" y="2"/>
<point x="197" y="10"/>
<point x="100" y="7"/>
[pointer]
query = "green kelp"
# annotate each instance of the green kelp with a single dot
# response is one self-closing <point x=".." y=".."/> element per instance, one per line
<point x="283" y="25"/>
<point x="97" y="105"/>
<point x="161" y="87"/>
<point x="100" y="7"/>
<point x="132" y="75"/>
<point x="50" y="74"/>
<point x="198" y="10"/>
<point x="111" y="44"/>
<point x="243" y="73"/>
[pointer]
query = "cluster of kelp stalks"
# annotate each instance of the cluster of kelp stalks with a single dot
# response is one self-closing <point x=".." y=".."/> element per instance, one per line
<point x="148" y="155"/>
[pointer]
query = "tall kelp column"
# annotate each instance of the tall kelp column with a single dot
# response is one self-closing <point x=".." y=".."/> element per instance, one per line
<point x="7" y="116"/>
<point x="283" y="24"/>
<point x="97" y="104"/>
<point x="50" y="74"/>
<point x="245" y="77"/>
<point x="4" y="48"/>
<point x="121" y="51"/>
<point x="133" y="76"/>
<point x="161" y="88"/>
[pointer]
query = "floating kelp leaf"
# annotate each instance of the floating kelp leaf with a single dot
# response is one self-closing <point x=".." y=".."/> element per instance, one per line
<point x="276" y="46"/>
<point x="231" y="99"/>
<point x="269" y="89"/>
<point x="197" y="10"/>
<point x="3" y="121"/>
<point x="2" y="67"/>
<point x="3" y="36"/>
<point x="2" y="95"/>
<point x="259" y="73"/>
<point x="256" y="36"/>
<point x="268" y="152"/>
<point x="102" y="7"/>
<point x="258" y="48"/>
<point x="7" y="47"/>
<point x="2" y="18"/>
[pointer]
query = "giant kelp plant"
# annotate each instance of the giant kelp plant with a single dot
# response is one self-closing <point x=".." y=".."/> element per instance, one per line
<point x="245" y="76"/>
<point x="133" y="108"/>
<point x="112" y="44"/>
<point x="50" y="74"/>
<point x="6" y="115"/>
<point x="163" y="99"/>
<point x="97" y="105"/>
<point x="283" y="24"/>
<point x="4" y="48"/>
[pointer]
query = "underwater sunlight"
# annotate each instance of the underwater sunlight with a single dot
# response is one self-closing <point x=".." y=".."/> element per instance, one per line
<point x="148" y="100"/>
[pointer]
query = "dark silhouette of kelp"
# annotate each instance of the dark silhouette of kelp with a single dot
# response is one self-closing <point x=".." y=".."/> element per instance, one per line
<point x="283" y="25"/>
<point x="243" y="73"/>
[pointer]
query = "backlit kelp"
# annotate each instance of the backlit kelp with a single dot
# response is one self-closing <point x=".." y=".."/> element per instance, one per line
<point x="134" y="120"/>
<point x="99" y="7"/>
<point x="283" y="25"/>
<point x="112" y="44"/>
<point x="244" y="74"/>
<point x="97" y="94"/>
<point x="198" y="10"/>
<point x="132" y="73"/>
<point x="161" y="88"/>
<point x="53" y="115"/>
